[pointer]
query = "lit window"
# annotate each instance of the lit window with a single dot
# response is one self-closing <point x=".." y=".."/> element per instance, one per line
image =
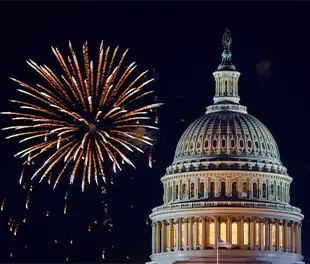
<point x="264" y="235"/>
<point x="234" y="231"/>
<point x="168" y="235"/>
<point x="273" y="235"/>
<point x="257" y="234"/>
<point x="281" y="236"/>
<point x="199" y="233"/>
<point x="174" y="235"/>
<point x="245" y="187"/>
<point x="182" y="234"/>
<point x="223" y="231"/>
<point x="212" y="234"/>
<point x="246" y="233"/>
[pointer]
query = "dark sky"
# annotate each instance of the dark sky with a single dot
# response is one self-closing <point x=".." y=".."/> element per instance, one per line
<point x="182" y="41"/>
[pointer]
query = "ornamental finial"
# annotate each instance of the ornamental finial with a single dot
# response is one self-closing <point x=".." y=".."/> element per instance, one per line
<point x="226" y="64"/>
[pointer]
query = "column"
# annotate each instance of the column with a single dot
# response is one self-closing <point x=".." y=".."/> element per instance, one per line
<point x="300" y="225"/>
<point x="277" y="235"/>
<point x="195" y="233"/>
<point x="157" y="245"/>
<point x="207" y="231"/>
<point x="242" y="232"/>
<point x="203" y="230"/>
<point x="163" y="236"/>
<point x="253" y="234"/>
<point x="177" y="234"/>
<point x="173" y="191"/>
<point x="261" y="237"/>
<point x="185" y="233"/>
<point x="190" y="235"/>
<point x="267" y="235"/>
<point x="217" y="229"/>
<point x="171" y="234"/>
<point x="285" y="228"/>
<point x="228" y="228"/>
<point x="292" y="250"/>
<point x="297" y="238"/>
<point x="153" y="238"/>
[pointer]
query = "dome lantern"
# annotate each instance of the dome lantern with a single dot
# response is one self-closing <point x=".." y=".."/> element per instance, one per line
<point x="226" y="76"/>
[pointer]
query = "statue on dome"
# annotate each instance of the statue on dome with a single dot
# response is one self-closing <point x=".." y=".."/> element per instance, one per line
<point x="226" y="41"/>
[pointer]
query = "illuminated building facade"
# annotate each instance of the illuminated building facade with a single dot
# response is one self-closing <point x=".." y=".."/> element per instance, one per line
<point x="227" y="181"/>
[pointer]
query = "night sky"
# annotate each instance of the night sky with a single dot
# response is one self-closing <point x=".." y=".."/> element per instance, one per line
<point x="182" y="42"/>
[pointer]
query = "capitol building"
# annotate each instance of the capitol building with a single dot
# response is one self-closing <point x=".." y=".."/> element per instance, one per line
<point x="226" y="182"/>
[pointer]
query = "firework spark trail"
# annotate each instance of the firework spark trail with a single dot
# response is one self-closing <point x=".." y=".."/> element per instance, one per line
<point x="82" y="117"/>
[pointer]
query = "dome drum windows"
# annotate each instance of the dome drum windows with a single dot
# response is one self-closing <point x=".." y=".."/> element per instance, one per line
<point x="206" y="145"/>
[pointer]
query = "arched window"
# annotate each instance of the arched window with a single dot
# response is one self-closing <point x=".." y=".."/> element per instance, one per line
<point x="245" y="187"/>
<point x="257" y="235"/>
<point x="234" y="189"/>
<point x="273" y="235"/>
<point x="281" y="235"/>
<point x="246" y="233"/>
<point x="264" y="191"/>
<point x="177" y="192"/>
<point x="255" y="190"/>
<point x="192" y="190"/>
<point x="223" y="188"/>
<point x="212" y="189"/>
<point x="234" y="232"/>
<point x="199" y="233"/>
<point x="183" y="190"/>
<point x="212" y="234"/>
<point x="278" y="192"/>
<point x="223" y="231"/>
<point x="201" y="190"/>
<point x="272" y="189"/>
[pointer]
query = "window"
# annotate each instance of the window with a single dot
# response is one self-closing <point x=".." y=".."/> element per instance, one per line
<point x="234" y="189"/>
<point x="257" y="234"/>
<point x="214" y="143"/>
<point x="232" y="143"/>
<point x="272" y="189"/>
<point x="212" y="189"/>
<point x="256" y="144"/>
<point x="278" y="192"/>
<point x="174" y="235"/>
<point x="199" y="233"/>
<point x="246" y="233"/>
<point x="182" y="234"/>
<point x="244" y="187"/>
<point x="192" y="190"/>
<point x="168" y="235"/>
<point x="264" y="191"/>
<point x="201" y="190"/>
<point x="223" y="188"/>
<point x="223" y="231"/>
<point x="183" y="190"/>
<point x="207" y="143"/>
<point x="281" y="235"/>
<point x="255" y="189"/>
<point x="263" y="145"/>
<point x="273" y="235"/>
<point x="240" y="143"/>
<point x="234" y="231"/>
<point x="223" y="143"/>
<point x="249" y="144"/>
<point x="212" y="234"/>
<point x="170" y="193"/>
<point x="177" y="192"/>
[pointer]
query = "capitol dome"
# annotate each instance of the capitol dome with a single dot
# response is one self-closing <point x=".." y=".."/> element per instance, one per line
<point x="226" y="194"/>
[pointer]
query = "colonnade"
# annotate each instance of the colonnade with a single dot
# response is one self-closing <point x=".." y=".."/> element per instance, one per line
<point x="197" y="233"/>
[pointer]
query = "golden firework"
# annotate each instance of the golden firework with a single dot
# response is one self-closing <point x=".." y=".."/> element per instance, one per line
<point x="82" y="119"/>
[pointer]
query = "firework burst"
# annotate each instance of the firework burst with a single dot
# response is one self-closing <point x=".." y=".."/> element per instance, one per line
<point x="81" y="120"/>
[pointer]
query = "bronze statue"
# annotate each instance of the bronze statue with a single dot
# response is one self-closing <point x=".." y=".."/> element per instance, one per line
<point x="226" y="40"/>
